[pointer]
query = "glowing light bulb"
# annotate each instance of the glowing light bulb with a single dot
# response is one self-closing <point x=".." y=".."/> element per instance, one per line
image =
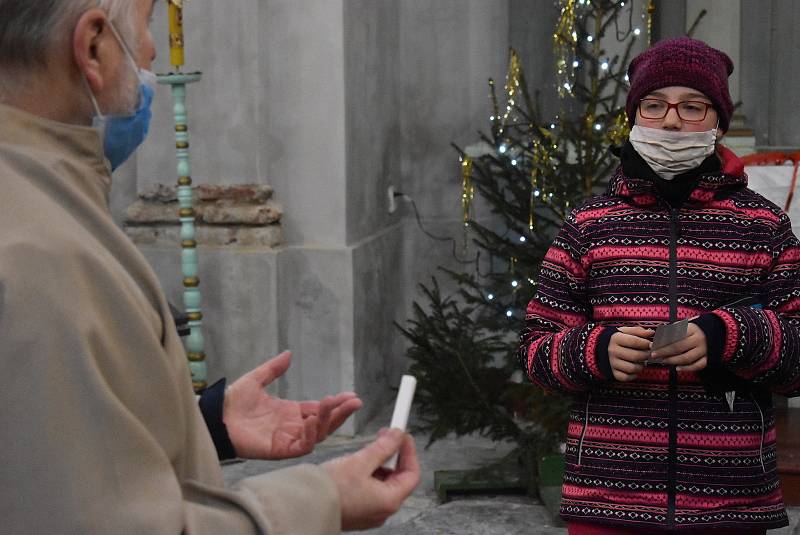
<point x="536" y="193"/>
<point x="514" y="284"/>
<point x="597" y="126"/>
<point x="490" y="297"/>
<point x="604" y="65"/>
<point x="637" y="31"/>
<point x="502" y="149"/>
<point x="513" y="162"/>
<point x="522" y="239"/>
<point x="576" y="64"/>
<point x="509" y="313"/>
<point x="552" y="125"/>
<point x="590" y="38"/>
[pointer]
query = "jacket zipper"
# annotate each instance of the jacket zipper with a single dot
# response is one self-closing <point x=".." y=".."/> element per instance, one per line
<point x="673" y="374"/>
<point x="761" y="444"/>
<point x="583" y="431"/>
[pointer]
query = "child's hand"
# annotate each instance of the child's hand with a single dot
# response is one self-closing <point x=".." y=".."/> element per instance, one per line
<point x="689" y="354"/>
<point x="627" y="351"/>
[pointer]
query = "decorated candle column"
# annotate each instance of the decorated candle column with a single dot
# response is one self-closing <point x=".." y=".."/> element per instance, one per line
<point x="192" y="301"/>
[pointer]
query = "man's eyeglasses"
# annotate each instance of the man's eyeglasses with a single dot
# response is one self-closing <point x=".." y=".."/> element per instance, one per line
<point x="691" y="111"/>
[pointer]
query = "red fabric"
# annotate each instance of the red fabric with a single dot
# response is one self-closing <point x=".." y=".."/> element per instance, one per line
<point x="731" y="164"/>
<point x="579" y="528"/>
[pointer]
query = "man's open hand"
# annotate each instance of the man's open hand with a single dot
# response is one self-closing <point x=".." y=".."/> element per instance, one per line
<point x="261" y="426"/>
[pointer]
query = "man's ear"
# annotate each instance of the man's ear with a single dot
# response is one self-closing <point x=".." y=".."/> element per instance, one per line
<point x="90" y="48"/>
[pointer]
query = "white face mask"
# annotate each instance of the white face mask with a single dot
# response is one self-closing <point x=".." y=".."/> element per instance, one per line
<point x="671" y="153"/>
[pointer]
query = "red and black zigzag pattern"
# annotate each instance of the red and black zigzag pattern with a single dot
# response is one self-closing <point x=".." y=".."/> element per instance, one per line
<point x="609" y="266"/>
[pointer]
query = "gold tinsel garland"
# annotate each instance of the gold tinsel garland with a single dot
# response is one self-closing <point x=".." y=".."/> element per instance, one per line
<point x="619" y="129"/>
<point x="540" y="157"/>
<point x="651" y="9"/>
<point x="565" y="43"/>
<point x="467" y="188"/>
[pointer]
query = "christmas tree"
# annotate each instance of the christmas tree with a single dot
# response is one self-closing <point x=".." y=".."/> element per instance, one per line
<point x="530" y="168"/>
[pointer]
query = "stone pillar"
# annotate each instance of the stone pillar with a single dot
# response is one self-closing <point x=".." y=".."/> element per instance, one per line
<point x="669" y="20"/>
<point x="757" y="60"/>
<point x="721" y="28"/>
<point x="327" y="102"/>
<point x="783" y="75"/>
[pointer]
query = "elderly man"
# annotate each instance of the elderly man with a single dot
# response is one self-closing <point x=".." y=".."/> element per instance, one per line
<point x="102" y="433"/>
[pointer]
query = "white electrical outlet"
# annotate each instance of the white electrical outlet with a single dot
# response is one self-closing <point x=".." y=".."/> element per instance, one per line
<point x="392" y="203"/>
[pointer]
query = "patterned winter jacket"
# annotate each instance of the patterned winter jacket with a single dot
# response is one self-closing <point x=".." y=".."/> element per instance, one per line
<point x="667" y="450"/>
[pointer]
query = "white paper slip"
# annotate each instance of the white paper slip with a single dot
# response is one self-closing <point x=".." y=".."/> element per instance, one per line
<point x="670" y="333"/>
<point x="730" y="397"/>
<point x="402" y="408"/>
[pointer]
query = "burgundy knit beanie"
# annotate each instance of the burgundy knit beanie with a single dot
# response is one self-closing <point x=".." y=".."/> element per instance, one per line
<point x="682" y="62"/>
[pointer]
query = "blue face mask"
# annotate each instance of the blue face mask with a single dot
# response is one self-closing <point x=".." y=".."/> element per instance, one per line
<point x="122" y="134"/>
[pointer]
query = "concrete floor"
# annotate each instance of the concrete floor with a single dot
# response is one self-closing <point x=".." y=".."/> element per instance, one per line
<point x="422" y="513"/>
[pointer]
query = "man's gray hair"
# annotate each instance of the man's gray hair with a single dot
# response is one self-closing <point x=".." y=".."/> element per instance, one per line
<point x="29" y="29"/>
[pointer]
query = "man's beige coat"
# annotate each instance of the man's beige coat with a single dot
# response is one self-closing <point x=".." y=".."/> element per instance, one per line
<point x="101" y="433"/>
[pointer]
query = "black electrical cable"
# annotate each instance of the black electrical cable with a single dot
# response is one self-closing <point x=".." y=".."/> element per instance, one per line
<point x="433" y="236"/>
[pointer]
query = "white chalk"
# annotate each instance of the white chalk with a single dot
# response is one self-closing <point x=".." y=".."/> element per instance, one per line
<point x="402" y="408"/>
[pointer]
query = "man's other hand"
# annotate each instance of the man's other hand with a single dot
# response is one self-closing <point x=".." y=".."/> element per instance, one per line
<point x="261" y="426"/>
<point x="368" y="493"/>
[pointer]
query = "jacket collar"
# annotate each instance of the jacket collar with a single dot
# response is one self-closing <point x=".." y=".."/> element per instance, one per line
<point x="641" y="190"/>
<point x="72" y="142"/>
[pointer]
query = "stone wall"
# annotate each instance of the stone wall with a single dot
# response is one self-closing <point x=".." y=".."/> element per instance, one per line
<point x="326" y="102"/>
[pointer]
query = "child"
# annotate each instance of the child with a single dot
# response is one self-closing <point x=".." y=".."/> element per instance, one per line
<point x="681" y="437"/>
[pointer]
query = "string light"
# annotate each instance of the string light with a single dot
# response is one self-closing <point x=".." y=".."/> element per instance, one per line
<point x="502" y="149"/>
<point x="514" y="284"/>
<point x="637" y="31"/>
<point x="567" y="86"/>
<point x="509" y="313"/>
<point x="490" y="297"/>
<point x="513" y="162"/>
<point x="597" y="126"/>
<point x="536" y="193"/>
<point x="604" y="66"/>
<point x="590" y="38"/>
<point x="522" y="239"/>
<point x="576" y="63"/>
<point x="552" y="126"/>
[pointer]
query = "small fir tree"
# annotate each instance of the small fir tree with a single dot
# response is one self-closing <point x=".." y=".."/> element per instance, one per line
<point x="530" y="169"/>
